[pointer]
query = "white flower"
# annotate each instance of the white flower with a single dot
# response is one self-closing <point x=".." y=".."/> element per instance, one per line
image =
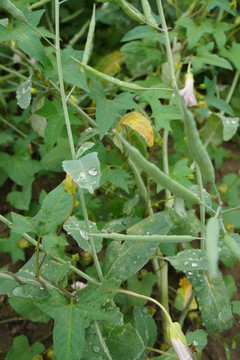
<point x="78" y="285"/>
<point x="178" y="341"/>
<point x="188" y="91"/>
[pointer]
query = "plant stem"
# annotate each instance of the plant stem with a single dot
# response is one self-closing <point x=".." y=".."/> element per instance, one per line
<point x="38" y="4"/>
<point x="70" y="137"/>
<point x="91" y="240"/>
<point x="13" y="127"/>
<point x="102" y="342"/>
<point x="60" y="260"/>
<point x="11" y="71"/>
<point x="60" y="76"/>
<point x="202" y="207"/>
<point x="232" y="89"/>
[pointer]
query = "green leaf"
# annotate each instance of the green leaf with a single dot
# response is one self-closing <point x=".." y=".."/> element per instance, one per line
<point x="69" y="325"/>
<point x="188" y="260"/>
<point x="55" y="245"/>
<point x="219" y="33"/>
<point x="107" y="110"/>
<point x="223" y="4"/>
<point x="77" y="229"/>
<point x="230" y="285"/>
<point x="26" y="38"/>
<point x="116" y="177"/>
<point x="84" y="171"/>
<point x="54" y="210"/>
<point x="10" y="245"/>
<point x="24" y="93"/>
<point x="124" y="339"/>
<point x="52" y="160"/>
<point x="29" y="291"/>
<point x="71" y="72"/>
<point x="204" y="56"/>
<point x="146" y="327"/>
<point x="21" y="199"/>
<point x="21" y="350"/>
<point x="194" y="31"/>
<point x="181" y="171"/>
<point x="141" y="286"/>
<point x="232" y="54"/>
<point x="236" y="306"/>
<point x="27" y="309"/>
<point x="141" y="32"/>
<point x="124" y="260"/>
<point x="213" y="301"/>
<point x="20" y="223"/>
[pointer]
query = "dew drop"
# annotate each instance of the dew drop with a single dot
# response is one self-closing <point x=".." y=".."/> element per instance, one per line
<point x="195" y="342"/>
<point x="194" y="265"/>
<point x="96" y="348"/>
<point x="93" y="171"/>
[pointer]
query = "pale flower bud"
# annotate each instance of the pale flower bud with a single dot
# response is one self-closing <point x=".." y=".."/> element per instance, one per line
<point x="178" y="341"/>
<point x="188" y="91"/>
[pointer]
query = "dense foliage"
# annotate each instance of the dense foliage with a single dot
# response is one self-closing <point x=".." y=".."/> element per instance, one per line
<point x="114" y="184"/>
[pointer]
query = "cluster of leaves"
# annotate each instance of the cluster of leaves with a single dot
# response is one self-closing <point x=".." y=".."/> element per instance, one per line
<point x="94" y="323"/>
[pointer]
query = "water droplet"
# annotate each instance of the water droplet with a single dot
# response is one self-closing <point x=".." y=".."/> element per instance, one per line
<point x="195" y="342"/>
<point x="194" y="265"/>
<point x="93" y="171"/>
<point x="186" y="263"/>
<point x="134" y="262"/>
<point x="96" y="348"/>
<point x="190" y="273"/>
<point x="81" y="177"/>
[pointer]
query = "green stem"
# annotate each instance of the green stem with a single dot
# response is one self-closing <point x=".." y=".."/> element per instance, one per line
<point x="60" y="76"/>
<point x="11" y="71"/>
<point x="38" y="4"/>
<point x="232" y="89"/>
<point x="39" y="33"/>
<point x="168" y="195"/>
<point x="79" y="34"/>
<point x="60" y="260"/>
<point x="190" y="9"/>
<point x="202" y="207"/>
<point x="70" y="137"/>
<point x="37" y="257"/>
<point x="91" y="240"/>
<point x="102" y="341"/>
<point x="13" y="127"/>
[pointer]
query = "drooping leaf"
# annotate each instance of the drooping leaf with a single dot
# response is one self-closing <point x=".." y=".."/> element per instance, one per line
<point x="84" y="171"/>
<point x="77" y="229"/>
<point x="24" y="94"/>
<point x="21" y="349"/>
<point x="136" y="121"/>
<point x="213" y="301"/>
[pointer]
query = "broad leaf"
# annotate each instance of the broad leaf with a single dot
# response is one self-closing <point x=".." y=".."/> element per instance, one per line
<point x="142" y="286"/>
<point x="84" y="171"/>
<point x="10" y="245"/>
<point x="213" y="301"/>
<point x="124" y="260"/>
<point x="77" y="229"/>
<point x="188" y="260"/>
<point x="27" y="309"/>
<point x="230" y="126"/>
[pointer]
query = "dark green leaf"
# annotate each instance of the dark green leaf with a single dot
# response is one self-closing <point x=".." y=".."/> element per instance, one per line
<point x="21" y="350"/>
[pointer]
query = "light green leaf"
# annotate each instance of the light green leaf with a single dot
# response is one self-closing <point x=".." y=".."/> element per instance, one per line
<point x="20" y="223"/>
<point x="213" y="301"/>
<point x="84" y="171"/>
<point x="52" y="160"/>
<point x="29" y="291"/>
<point x="194" y="31"/>
<point x="124" y="260"/>
<point x="230" y="126"/>
<point x="188" y="260"/>
<point x="21" y="199"/>
<point x="21" y="350"/>
<point x="55" y="245"/>
<point x="77" y="229"/>
<point x="24" y="93"/>
<point x="206" y="57"/>
<point x="86" y="146"/>
<point x="230" y="285"/>
<point x="236" y="306"/>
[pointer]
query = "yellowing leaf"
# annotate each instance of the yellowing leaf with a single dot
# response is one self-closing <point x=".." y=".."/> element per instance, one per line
<point x="140" y="124"/>
<point x="111" y="63"/>
<point x="184" y="293"/>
